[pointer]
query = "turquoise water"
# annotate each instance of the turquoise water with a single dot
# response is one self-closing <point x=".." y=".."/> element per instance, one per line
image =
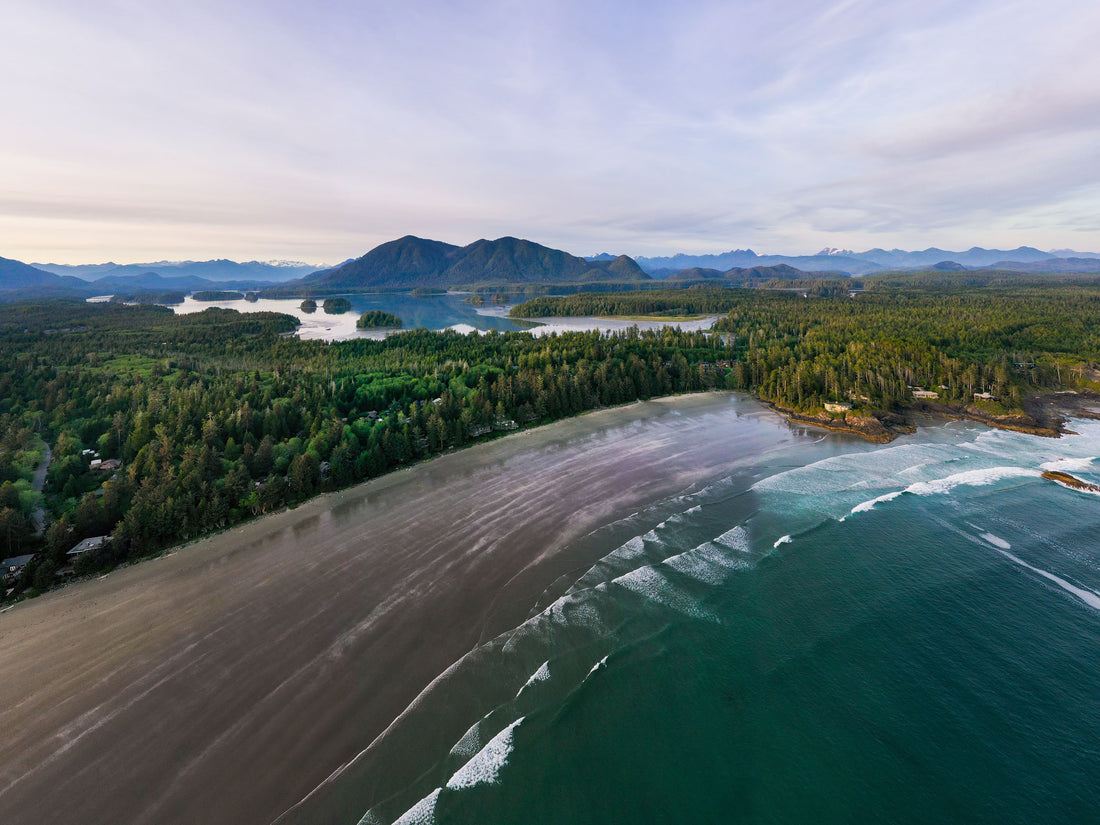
<point x="897" y="634"/>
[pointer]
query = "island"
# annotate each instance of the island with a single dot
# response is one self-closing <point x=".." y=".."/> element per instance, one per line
<point x="308" y="305"/>
<point x="336" y="306"/>
<point x="376" y="318"/>
<point x="217" y="295"/>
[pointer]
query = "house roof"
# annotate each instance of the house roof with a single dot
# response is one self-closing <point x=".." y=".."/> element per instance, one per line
<point x="93" y="543"/>
<point x="16" y="561"/>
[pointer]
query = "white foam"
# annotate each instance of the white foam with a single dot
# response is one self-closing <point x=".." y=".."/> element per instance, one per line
<point x="1087" y="596"/>
<point x="865" y="506"/>
<point x="970" y="478"/>
<point x="710" y="562"/>
<point x="996" y="541"/>
<point x="470" y="743"/>
<point x="1069" y="464"/>
<point x="651" y="584"/>
<point x="601" y="663"/>
<point x="782" y="540"/>
<point x="735" y="539"/>
<point x="422" y="813"/>
<point x="485" y="766"/>
<point x="540" y="675"/>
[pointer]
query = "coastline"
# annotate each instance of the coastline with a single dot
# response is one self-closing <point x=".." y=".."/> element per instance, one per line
<point x="1044" y="415"/>
<point x="226" y="681"/>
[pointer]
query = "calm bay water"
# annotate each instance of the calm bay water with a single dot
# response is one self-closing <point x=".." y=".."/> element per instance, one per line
<point x="434" y="312"/>
<point x="906" y="634"/>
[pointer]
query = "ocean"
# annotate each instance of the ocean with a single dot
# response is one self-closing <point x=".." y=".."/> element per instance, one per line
<point x="831" y="631"/>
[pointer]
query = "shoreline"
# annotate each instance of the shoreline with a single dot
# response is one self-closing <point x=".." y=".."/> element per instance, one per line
<point x="1044" y="415"/>
<point x="224" y="683"/>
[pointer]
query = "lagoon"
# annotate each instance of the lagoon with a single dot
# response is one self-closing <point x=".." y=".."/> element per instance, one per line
<point x="434" y="312"/>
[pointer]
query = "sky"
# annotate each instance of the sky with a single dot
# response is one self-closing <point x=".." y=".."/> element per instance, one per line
<point x="144" y="130"/>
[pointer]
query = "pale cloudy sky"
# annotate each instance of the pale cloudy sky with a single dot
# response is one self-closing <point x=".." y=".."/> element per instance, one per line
<point x="137" y="130"/>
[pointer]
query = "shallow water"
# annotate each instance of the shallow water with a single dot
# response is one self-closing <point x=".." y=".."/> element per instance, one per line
<point x="435" y="312"/>
<point x="906" y="633"/>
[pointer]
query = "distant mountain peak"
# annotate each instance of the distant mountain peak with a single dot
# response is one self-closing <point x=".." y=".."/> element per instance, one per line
<point x="415" y="262"/>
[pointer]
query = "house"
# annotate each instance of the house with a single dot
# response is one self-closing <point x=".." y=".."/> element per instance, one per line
<point x="837" y="406"/>
<point x="11" y="568"/>
<point x="108" y="466"/>
<point x="94" y="543"/>
<point x="919" y="393"/>
<point x="984" y="396"/>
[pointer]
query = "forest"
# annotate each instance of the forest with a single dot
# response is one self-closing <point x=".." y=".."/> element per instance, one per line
<point x="164" y="428"/>
<point x="955" y="334"/>
<point x="219" y="416"/>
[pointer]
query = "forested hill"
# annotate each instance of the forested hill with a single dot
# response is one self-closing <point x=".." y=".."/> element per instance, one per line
<point x="15" y="275"/>
<point x="418" y="262"/>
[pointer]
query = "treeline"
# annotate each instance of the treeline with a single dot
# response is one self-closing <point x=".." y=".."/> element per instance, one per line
<point x="874" y="348"/>
<point x="217" y="416"/>
<point x="697" y="300"/>
<point x="150" y="298"/>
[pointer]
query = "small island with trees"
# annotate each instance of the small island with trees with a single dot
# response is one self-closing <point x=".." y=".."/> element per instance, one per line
<point x="217" y="295"/>
<point x="377" y="318"/>
<point x="336" y="306"/>
<point x="308" y="305"/>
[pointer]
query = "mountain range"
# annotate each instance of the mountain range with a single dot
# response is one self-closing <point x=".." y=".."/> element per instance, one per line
<point x="1021" y="259"/>
<point x="420" y="262"/>
<point x="411" y="262"/>
<point x="209" y="271"/>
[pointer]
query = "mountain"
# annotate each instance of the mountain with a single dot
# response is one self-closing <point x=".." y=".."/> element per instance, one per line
<point x="419" y="262"/>
<point x="623" y="268"/>
<point x="515" y="261"/>
<point x="746" y="275"/>
<point x="1078" y="265"/>
<point x="19" y="280"/>
<point x="780" y="271"/>
<point x="973" y="257"/>
<point x="721" y="262"/>
<point x="408" y="261"/>
<point x="210" y="271"/>
<point x="151" y="281"/>
<point x="829" y="260"/>
<point x="16" y="274"/>
<point x="697" y="273"/>
<point x="1072" y="253"/>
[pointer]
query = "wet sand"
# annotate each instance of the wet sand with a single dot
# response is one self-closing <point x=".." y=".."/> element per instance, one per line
<point x="224" y="683"/>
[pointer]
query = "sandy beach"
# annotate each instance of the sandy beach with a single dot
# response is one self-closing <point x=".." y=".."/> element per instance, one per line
<point x="225" y="682"/>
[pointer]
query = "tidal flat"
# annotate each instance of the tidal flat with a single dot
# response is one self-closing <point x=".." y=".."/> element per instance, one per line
<point x="225" y="682"/>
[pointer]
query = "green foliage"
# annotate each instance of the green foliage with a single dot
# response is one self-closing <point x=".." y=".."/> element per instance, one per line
<point x="875" y="347"/>
<point x="218" y="416"/>
<point x="378" y="318"/>
<point x="670" y="303"/>
<point x="217" y="295"/>
<point x="335" y="306"/>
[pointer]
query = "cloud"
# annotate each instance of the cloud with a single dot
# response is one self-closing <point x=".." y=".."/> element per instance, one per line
<point x="716" y="124"/>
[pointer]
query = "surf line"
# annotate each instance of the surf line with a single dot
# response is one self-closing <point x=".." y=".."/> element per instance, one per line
<point x="1087" y="596"/>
